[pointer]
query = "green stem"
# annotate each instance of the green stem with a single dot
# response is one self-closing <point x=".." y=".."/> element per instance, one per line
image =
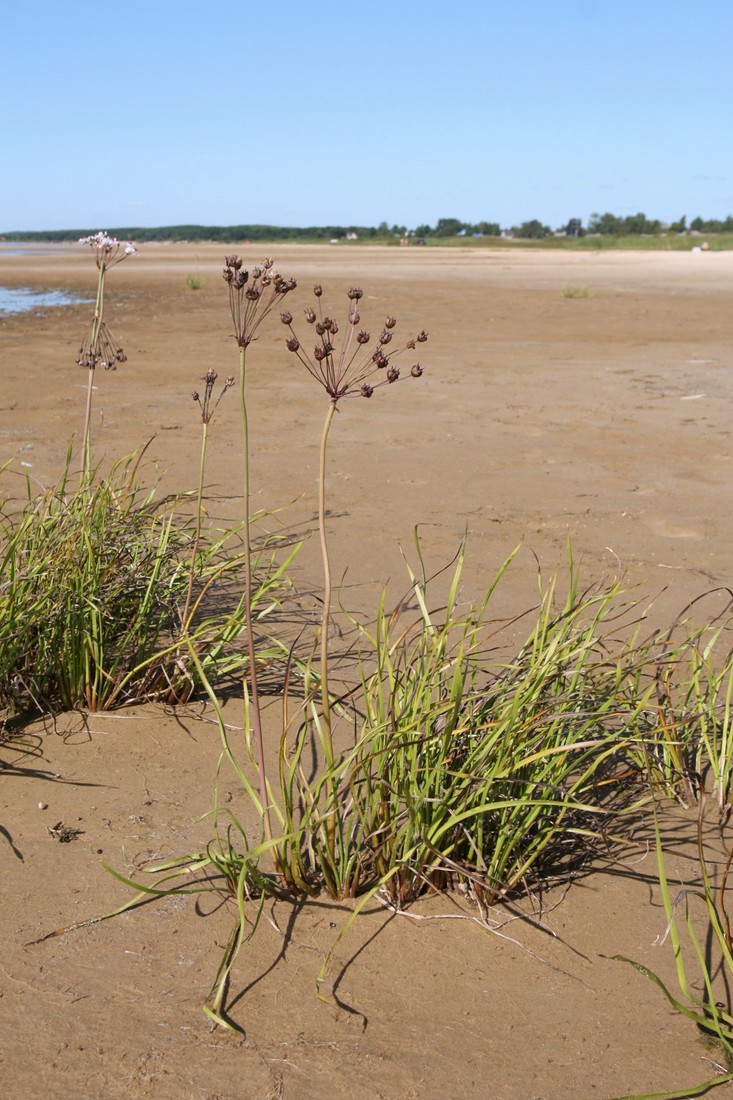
<point x="326" y="615"/>
<point x="86" y="467"/>
<point x="197" y="536"/>
<point x="254" y="693"/>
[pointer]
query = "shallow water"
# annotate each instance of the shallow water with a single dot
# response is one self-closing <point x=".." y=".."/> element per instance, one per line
<point x="24" y="299"/>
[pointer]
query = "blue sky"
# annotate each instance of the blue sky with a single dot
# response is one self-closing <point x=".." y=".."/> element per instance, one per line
<point x="159" y="113"/>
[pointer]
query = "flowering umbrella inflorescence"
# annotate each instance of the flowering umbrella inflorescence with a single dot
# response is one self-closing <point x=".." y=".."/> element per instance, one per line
<point x="99" y="348"/>
<point x="109" y="251"/>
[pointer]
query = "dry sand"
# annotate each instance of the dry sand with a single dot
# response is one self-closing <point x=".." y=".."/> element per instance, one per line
<point x="605" y="419"/>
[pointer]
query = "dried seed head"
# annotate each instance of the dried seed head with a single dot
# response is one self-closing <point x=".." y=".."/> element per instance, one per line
<point x="229" y="382"/>
<point x="210" y="377"/>
<point x="99" y="349"/>
<point x="251" y="299"/>
<point x="422" y="337"/>
<point x="195" y="395"/>
<point x="286" y="317"/>
<point x="348" y="369"/>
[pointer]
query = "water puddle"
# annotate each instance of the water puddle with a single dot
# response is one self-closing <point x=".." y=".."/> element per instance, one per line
<point x="23" y="299"/>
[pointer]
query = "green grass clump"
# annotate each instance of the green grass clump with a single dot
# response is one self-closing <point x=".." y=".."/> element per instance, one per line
<point x="93" y="582"/>
<point x="706" y="1000"/>
<point x="473" y="775"/>
<point x="466" y="770"/>
<point x="577" y="292"/>
<point x="496" y="774"/>
<point x="195" y="282"/>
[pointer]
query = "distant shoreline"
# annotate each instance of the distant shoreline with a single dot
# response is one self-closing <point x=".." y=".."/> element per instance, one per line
<point x="57" y="240"/>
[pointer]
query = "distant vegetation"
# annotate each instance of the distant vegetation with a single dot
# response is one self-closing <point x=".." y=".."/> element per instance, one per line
<point x="615" y="230"/>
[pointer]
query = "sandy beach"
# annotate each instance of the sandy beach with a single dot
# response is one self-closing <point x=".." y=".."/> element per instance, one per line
<point x="603" y="419"/>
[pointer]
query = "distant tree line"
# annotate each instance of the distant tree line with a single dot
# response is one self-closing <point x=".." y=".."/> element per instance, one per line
<point x="638" y="224"/>
<point x="223" y="233"/>
<point x="453" y="227"/>
<point x="601" y="224"/>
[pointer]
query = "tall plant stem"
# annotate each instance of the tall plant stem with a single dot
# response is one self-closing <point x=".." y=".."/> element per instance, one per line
<point x="253" y="690"/>
<point x="86" y="461"/>
<point x="197" y="536"/>
<point x="326" y="615"/>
